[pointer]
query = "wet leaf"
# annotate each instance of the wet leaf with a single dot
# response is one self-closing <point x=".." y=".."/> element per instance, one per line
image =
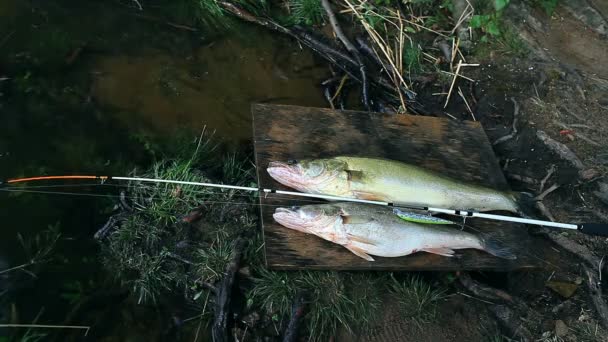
<point x="477" y="20"/>
<point x="492" y="28"/>
<point x="564" y="289"/>
<point x="499" y="5"/>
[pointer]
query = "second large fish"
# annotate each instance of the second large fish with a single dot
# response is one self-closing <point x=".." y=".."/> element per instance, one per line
<point x="390" y="181"/>
<point x="369" y="230"/>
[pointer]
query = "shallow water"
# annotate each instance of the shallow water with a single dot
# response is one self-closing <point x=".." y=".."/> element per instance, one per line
<point x="88" y="84"/>
<point x="214" y="85"/>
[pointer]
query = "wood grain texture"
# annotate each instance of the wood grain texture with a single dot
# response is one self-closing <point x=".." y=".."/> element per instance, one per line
<point x="460" y="150"/>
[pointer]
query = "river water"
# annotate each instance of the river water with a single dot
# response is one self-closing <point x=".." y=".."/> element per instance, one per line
<point x="84" y="85"/>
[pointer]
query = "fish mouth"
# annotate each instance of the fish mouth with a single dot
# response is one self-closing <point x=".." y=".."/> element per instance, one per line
<point x="284" y="173"/>
<point x="290" y="218"/>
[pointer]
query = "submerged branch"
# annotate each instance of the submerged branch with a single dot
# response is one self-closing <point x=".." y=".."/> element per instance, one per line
<point x="219" y="331"/>
<point x="297" y="313"/>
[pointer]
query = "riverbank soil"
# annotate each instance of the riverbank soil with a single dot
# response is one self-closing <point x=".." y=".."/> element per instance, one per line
<point x="559" y="88"/>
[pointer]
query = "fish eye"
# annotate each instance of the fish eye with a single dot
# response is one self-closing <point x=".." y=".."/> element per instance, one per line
<point x="314" y="169"/>
<point x="292" y="161"/>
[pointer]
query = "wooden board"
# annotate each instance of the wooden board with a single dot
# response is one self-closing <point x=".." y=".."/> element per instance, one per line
<point x="457" y="149"/>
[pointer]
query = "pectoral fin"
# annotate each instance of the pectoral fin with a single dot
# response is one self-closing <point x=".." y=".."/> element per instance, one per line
<point x="367" y="196"/>
<point x="359" y="252"/>
<point x="440" y="251"/>
<point x="361" y="239"/>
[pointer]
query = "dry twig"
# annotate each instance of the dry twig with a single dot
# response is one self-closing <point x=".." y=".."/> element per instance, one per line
<point x="352" y="49"/>
<point x="223" y="297"/>
<point x="514" y="125"/>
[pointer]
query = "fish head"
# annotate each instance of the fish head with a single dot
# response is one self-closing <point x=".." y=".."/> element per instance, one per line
<point x="326" y="176"/>
<point x="323" y="220"/>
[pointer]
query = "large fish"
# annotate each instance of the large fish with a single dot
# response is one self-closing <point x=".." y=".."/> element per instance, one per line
<point x="390" y="181"/>
<point x="369" y="230"/>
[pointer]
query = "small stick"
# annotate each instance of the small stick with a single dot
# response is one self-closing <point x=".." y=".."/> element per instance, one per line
<point x="546" y="192"/>
<point x="450" y="115"/>
<point x="200" y="322"/>
<point x="6" y="38"/>
<point x="466" y="103"/>
<point x="545" y="211"/>
<point x="523" y="179"/>
<point x="514" y="125"/>
<point x="48" y="326"/>
<point x="453" y="74"/>
<point x="342" y="81"/>
<point x="16" y="267"/>
<point x="138" y="5"/>
<point x="481" y="300"/>
<point x="328" y="97"/>
<point x="453" y="82"/>
<point x="549" y="173"/>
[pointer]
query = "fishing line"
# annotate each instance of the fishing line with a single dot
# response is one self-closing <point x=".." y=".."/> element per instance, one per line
<point x="19" y="189"/>
<point x="130" y="197"/>
<point x="587" y="228"/>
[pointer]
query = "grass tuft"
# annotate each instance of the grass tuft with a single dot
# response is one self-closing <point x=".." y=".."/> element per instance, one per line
<point x="154" y="251"/>
<point x="334" y="299"/>
<point x="307" y="12"/>
<point x="418" y="299"/>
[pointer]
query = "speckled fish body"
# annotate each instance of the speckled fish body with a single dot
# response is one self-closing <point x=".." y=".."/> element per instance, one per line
<point x="390" y="181"/>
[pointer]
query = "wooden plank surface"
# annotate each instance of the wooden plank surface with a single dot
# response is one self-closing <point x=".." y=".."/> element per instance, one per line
<point x="457" y="149"/>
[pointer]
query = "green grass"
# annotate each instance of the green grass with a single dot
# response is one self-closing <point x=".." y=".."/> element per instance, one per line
<point x="334" y="299"/>
<point x="307" y="12"/>
<point x="418" y="299"/>
<point x="149" y="252"/>
<point x="508" y="43"/>
<point x="412" y="58"/>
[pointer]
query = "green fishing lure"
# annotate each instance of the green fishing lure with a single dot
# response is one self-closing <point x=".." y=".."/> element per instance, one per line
<point x="419" y="218"/>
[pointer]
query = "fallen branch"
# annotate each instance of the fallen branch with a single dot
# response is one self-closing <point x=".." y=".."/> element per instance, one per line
<point x="504" y="314"/>
<point x="560" y="149"/>
<point x="219" y="331"/>
<point x="572" y="247"/>
<point x="104" y="231"/>
<point x="595" y="290"/>
<point x="334" y="56"/>
<point x="351" y="48"/>
<point x="297" y="312"/>
<point x="514" y="125"/>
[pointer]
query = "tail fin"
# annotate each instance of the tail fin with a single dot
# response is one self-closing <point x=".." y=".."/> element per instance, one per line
<point x="526" y="203"/>
<point x="493" y="246"/>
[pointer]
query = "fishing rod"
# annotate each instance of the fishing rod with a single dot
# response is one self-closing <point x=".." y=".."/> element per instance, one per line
<point x="599" y="229"/>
